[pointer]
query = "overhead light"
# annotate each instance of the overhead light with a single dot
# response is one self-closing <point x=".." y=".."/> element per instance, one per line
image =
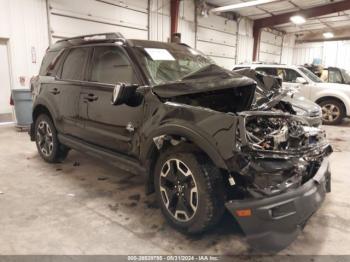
<point x="241" y="5"/>
<point x="297" y="19"/>
<point x="328" y="35"/>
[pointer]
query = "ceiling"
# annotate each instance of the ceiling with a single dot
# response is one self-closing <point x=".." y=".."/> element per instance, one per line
<point x="321" y="23"/>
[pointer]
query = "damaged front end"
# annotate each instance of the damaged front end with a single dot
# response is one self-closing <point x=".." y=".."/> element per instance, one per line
<point x="275" y="162"/>
<point x="283" y="176"/>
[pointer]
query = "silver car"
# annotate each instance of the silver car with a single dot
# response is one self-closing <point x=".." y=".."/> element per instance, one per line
<point x="333" y="98"/>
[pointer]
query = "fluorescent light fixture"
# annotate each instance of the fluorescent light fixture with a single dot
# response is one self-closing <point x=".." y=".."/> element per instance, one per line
<point x="328" y="35"/>
<point x="297" y="19"/>
<point x="227" y="8"/>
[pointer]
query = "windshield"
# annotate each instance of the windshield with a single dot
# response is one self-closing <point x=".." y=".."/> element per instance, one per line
<point x="346" y="75"/>
<point x="310" y="75"/>
<point x="170" y="64"/>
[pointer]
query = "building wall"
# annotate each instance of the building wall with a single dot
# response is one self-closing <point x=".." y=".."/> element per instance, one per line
<point x="288" y="45"/>
<point x="334" y="53"/>
<point x="23" y="24"/>
<point x="270" y="49"/>
<point x="245" y="41"/>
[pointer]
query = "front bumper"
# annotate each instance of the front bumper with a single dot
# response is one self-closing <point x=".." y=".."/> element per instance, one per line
<point x="276" y="221"/>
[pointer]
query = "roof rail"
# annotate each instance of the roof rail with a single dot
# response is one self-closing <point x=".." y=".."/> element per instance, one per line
<point x="101" y="36"/>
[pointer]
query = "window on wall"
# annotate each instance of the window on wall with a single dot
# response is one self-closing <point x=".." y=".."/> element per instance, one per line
<point x="73" y="66"/>
<point x="110" y="65"/>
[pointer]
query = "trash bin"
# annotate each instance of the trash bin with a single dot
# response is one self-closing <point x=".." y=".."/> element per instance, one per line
<point x="23" y="103"/>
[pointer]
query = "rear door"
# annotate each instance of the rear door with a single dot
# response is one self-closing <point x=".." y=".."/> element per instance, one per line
<point x="106" y="125"/>
<point x="71" y="79"/>
<point x="290" y="80"/>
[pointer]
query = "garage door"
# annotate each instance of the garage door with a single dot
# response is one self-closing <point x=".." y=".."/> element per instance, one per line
<point x="270" y="47"/>
<point x="71" y="18"/>
<point x="5" y="90"/>
<point x="216" y="37"/>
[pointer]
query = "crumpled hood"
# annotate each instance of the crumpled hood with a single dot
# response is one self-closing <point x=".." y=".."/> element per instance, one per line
<point x="207" y="79"/>
<point x="303" y="103"/>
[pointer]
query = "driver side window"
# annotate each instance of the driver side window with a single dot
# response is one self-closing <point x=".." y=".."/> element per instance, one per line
<point x="290" y="76"/>
<point x="110" y="65"/>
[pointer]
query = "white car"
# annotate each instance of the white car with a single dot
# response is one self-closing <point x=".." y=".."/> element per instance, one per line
<point x="333" y="98"/>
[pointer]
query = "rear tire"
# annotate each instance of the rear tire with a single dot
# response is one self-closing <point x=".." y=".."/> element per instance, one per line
<point x="49" y="148"/>
<point x="189" y="190"/>
<point x="333" y="111"/>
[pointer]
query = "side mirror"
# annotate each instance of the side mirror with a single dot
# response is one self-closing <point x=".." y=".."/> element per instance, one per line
<point x="301" y="80"/>
<point x="122" y="93"/>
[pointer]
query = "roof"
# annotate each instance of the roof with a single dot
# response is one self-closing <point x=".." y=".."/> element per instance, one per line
<point x="111" y="38"/>
<point x="326" y="22"/>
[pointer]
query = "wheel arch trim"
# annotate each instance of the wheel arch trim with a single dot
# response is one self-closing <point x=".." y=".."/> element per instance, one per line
<point x="335" y="95"/>
<point x="148" y="151"/>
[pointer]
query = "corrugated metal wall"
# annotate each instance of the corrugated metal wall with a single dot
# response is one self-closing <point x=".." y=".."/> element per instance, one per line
<point x="288" y="49"/>
<point x="305" y="53"/>
<point x="187" y="22"/>
<point x="334" y="53"/>
<point x="159" y="28"/>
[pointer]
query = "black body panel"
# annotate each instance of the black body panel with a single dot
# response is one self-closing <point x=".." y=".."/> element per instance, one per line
<point x="209" y="110"/>
<point x="276" y="221"/>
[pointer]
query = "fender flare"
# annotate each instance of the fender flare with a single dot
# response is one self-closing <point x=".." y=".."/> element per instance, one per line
<point x="149" y="148"/>
<point x="176" y="130"/>
<point x="43" y="102"/>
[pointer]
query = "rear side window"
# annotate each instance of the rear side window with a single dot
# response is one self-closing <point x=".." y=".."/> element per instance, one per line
<point x="47" y="60"/>
<point x="110" y="65"/>
<point x="267" y="71"/>
<point x="73" y="66"/>
<point x="334" y="76"/>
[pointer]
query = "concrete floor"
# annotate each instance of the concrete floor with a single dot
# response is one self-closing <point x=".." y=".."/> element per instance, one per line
<point x="86" y="206"/>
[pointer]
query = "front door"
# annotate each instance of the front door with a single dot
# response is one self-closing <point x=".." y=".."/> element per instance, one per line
<point x="289" y="78"/>
<point x="109" y="126"/>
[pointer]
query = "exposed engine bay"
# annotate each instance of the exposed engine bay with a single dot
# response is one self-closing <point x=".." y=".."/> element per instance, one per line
<point x="276" y="149"/>
<point x="281" y="152"/>
<point x="281" y="133"/>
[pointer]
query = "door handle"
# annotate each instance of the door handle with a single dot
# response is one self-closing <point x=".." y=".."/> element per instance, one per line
<point x="90" y="97"/>
<point x="55" y="91"/>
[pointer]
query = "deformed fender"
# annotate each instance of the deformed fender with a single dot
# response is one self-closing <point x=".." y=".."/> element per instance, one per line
<point x="192" y="136"/>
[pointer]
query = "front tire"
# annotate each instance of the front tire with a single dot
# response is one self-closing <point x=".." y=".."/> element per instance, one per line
<point x="189" y="190"/>
<point x="333" y="111"/>
<point x="49" y="148"/>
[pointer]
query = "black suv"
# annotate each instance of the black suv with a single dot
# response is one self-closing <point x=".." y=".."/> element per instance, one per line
<point x="194" y="130"/>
